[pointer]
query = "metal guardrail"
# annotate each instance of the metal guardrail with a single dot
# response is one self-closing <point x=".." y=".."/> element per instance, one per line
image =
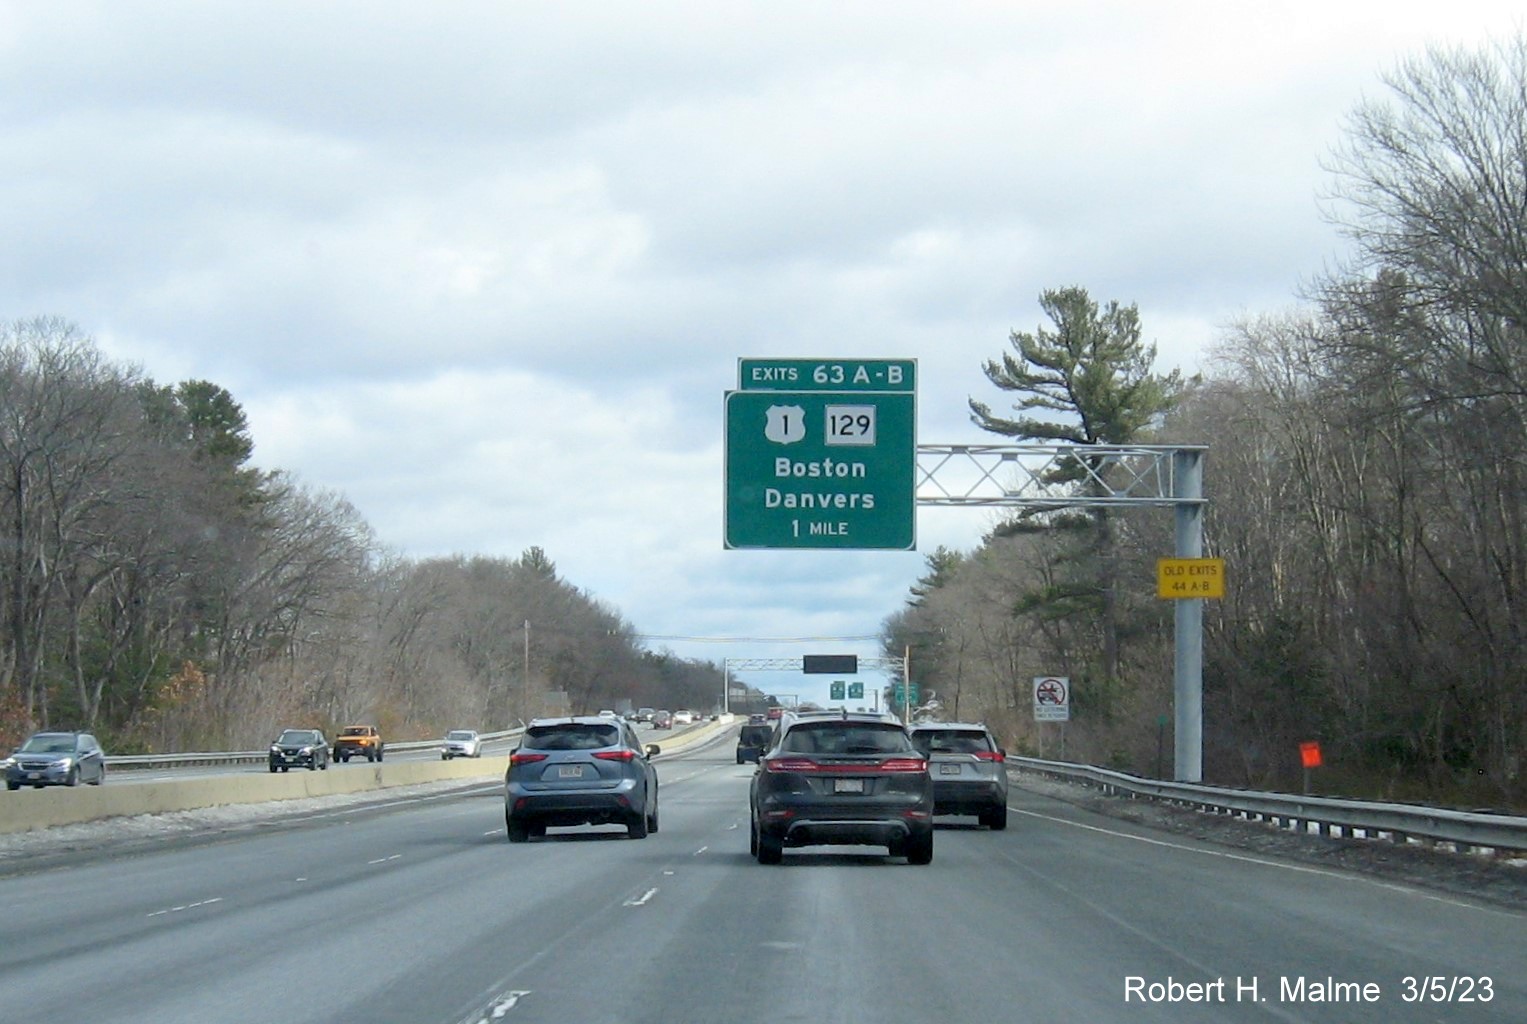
<point x="1400" y="823"/>
<point x="131" y="761"/>
<point x="217" y="757"/>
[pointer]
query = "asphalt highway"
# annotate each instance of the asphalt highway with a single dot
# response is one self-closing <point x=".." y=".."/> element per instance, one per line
<point x="420" y="912"/>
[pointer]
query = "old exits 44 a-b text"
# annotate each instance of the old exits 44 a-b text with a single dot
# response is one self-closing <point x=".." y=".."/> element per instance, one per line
<point x="1302" y="989"/>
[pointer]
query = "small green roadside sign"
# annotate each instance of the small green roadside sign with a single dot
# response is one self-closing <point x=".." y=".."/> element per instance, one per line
<point x="822" y="454"/>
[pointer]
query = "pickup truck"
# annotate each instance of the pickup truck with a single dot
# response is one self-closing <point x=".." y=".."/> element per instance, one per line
<point x="358" y="740"/>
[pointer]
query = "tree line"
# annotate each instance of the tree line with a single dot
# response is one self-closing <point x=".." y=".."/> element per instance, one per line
<point x="159" y="590"/>
<point x="1367" y="485"/>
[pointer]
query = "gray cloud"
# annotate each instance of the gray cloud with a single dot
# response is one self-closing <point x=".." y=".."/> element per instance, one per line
<point x="486" y="269"/>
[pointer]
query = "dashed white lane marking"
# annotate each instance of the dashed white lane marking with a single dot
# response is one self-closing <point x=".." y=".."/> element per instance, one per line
<point x="187" y="906"/>
<point x="384" y="860"/>
<point x="501" y="1007"/>
<point x="701" y="850"/>
<point x="641" y="900"/>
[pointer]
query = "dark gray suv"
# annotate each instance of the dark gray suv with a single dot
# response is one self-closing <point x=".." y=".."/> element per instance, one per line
<point x="56" y="759"/>
<point x="837" y="779"/>
<point x="589" y="770"/>
<point x="969" y="770"/>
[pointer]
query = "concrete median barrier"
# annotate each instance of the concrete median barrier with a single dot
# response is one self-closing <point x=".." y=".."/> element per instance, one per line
<point x="27" y="809"/>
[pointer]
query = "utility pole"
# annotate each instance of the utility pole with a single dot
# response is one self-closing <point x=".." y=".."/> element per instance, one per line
<point x="525" y="682"/>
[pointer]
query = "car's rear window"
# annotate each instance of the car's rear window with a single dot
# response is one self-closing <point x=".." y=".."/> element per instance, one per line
<point x="755" y="735"/>
<point x="571" y="736"/>
<point x="846" y="738"/>
<point x="951" y="741"/>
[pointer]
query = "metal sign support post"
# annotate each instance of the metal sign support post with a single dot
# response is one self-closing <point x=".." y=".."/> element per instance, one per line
<point x="1188" y="661"/>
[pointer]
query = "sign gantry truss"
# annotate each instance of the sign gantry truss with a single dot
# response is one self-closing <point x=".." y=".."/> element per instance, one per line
<point x="1051" y="476"/>
<point x="1040" y="476"/>
<point x="797" y="664"/>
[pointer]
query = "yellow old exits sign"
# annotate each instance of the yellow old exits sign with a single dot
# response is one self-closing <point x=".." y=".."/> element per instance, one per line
<point x="1190" y="577"/>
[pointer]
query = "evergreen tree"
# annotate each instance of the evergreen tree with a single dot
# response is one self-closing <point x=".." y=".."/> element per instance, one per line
<point x="1089" y="381"/>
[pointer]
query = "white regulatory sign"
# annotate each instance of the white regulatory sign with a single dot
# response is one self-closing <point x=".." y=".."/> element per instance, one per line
<point x="1052" y="699"/>
<point x="850" y="424"/>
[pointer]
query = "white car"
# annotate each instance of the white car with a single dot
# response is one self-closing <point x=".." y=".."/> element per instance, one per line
<point x="683" y="717"/>
<point x="461" y="743"/>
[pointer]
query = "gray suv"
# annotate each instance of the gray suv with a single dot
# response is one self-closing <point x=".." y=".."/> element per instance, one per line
<point x="969" y="770"/>
<point x="56" y="759"/>
<point x="587" y="770"/>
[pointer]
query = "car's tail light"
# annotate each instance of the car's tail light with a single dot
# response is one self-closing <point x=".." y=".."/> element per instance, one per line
<point x="615" y="755"/>
<point x="806" y="764"/>
<point x="515" y="759"/>
<point x="902" y="764"/>
<point x="991" y="755"/>
<point x="790" y="764"/>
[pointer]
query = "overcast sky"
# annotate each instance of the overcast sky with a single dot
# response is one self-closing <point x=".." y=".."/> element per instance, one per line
<point x="486" y="269"/>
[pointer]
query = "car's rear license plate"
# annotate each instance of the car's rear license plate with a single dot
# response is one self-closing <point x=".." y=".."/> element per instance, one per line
<point x="848" y="785"/>
<point x="949" y="769"/>
<point x="570" y="771"/>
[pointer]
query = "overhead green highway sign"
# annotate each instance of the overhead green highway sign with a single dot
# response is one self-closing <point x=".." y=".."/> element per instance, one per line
<point x="822" y="453"/>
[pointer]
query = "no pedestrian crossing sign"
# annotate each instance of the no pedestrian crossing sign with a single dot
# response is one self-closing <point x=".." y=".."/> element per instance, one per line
<point x="822" y="453"/>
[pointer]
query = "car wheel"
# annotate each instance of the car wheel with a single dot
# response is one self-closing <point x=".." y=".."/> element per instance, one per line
<point x="753" y="839"/>
<point x="919" y="849"/>
<point x="285" y="768"/>
<point x="325" y="765"/>
<point x="995" y="818"/>
<point x="100" y="777"/>
<point x="379" y="754"/>
<point x="73" y="778"/>
<point x="771" y="849"/>
<point x="518" y="832"/>
<point x="12" y="786"/>
<point x="273" y="769"/>
<point x="636" y="828"/>
<point x="537" y="829"/>
<point x="652" y="819"/>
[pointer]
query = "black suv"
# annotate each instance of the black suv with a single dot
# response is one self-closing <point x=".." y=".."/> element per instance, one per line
<point x="588" y="770"/>
<point x="969" y="770"/>
<point x="842" y="779"/>
<point x="299" y="748"/>
<point x="753" y="739"/>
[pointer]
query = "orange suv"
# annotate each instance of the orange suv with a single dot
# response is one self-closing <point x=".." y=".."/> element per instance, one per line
<point x="357" y="741"/>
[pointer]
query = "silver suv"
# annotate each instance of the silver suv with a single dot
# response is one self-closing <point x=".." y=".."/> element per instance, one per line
<point x="586" y="770"/>
<point x="969" y="770"/>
